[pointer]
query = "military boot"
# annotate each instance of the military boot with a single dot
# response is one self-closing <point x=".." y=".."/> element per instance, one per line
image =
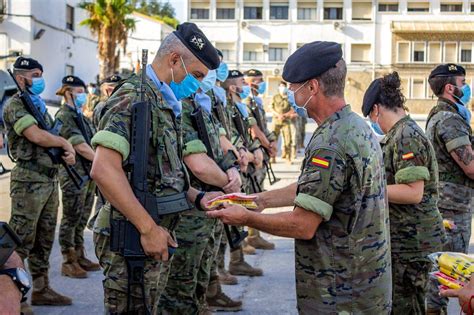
<point x="259" y="242"/>
<point x="43" y="294"/>
<point x="26" y="309"/>
<point x="85" y="263"/>
<point x="71" y="267"/>
<point x="248" y="249"/>
<point x="226" y="278"/>
<point x="239" y="267"/>
<point x="218" y="300"/>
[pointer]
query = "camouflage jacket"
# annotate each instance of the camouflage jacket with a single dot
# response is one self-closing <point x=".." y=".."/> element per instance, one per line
<point x="346" y="267"/>
<point x="166" y="173"/>
<point x="252" y="106"/>
<point x="280" y="105"/>
<point x="415" y="229"/>
<point x="447" y="130"/>
<point x="17" y="119"/>
<point x="72" y="133"/>
<point x="193" y="144"/>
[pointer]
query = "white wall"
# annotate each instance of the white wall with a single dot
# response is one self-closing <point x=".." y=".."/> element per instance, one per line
<point x="57" y="47"/>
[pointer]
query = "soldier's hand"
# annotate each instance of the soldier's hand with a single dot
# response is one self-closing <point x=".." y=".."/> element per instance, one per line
<point x="208" y="197"/>
<point x="155" y="243"/>
<point x="234" y="181"/>
<point x="69" y="155"/>
<point x="244" y="160"/>
<point x="230" y="214"/>
<point x="258" y="154"/>
<point x="464" y="295"/>
<point x="1" y="141"/>
<point x="260" y="203"/>
<point x="273" y="149"/>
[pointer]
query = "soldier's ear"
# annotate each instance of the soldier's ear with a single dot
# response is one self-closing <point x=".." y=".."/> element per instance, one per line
<point x="174" y="59"/>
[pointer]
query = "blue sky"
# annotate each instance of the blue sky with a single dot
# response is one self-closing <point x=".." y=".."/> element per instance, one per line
<point x="179" y="7"/>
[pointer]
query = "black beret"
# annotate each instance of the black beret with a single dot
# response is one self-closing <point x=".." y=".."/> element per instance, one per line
<point x="195" y="40"/>
<point x="23" y="63"/>
<point x="253" y="73"/>
<point x="73" y="81"/>
<point x="448" y="70"/>
<point x="311" y="60"/>
<point x="235" y="74"/>
<point x="112" y="79"/>
<point x="371" y="97"/>
<point x="219" y="53"/>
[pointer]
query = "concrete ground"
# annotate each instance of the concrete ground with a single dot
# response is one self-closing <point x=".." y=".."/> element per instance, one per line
<point x="274" y="293"/>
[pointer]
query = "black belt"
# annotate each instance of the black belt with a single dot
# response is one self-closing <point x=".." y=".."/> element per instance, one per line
<point x="50" y="172"/>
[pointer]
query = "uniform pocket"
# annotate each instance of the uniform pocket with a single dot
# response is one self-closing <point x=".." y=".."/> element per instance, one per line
<point x="454" y="197"/>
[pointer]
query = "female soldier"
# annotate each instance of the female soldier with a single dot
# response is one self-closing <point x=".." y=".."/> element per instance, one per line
<point x="416" y="228"/>
<point x="77" y="203"/>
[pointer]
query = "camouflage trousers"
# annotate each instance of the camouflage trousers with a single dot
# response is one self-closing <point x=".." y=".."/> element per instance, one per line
<point x="190" y="271"/>
<point x="99" y="203"/>
<point x="33" y="218"/>
<point x="77" y="207"/>
<point x="410" y="279"/>
<point x="458" y="241"/>
<point x="288" y="132"/>
<point x="116" y="281"/>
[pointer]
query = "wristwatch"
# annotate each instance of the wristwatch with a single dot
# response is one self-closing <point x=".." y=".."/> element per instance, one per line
<point x="20" y="278"/>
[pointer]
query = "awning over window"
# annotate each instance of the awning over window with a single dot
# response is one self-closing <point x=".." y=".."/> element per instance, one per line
<point x="432" y="27"/>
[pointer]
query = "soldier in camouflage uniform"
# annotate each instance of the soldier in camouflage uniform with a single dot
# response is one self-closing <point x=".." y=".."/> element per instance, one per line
<point x="34" y="184"/>
<point x="186" y="53"/>
<point x="237" y="91"/>
<point x="340" y="215"/>
<point x="77" y="203"/>
<point x="448" y="128"/>
<point x="107" y="86"/>
<point x="260" y="131"/>
<point x="189" y="276"/>
<point x="416" y="226"/>
<point x="284" y="122"/>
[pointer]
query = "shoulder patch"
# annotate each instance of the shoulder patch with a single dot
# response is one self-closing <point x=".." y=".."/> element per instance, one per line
<point x="319" y="161"/>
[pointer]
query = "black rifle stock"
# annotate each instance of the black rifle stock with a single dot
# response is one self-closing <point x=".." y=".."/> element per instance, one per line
<point x="233" y="234"/>
<point x="218" y="109"/>
<point x="8" y="242"/>
<point x="54" y="153"/>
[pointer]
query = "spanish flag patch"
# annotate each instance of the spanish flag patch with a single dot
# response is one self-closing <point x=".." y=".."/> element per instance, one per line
<point x="319" y="161"/>
<point x="408" y="156"/>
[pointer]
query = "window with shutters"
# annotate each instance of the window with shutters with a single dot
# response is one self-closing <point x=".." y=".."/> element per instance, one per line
<point x="360" y="53"/>
<point x="388" y="7"/>
<point x="434" y="52"/>
<point x="70" y="17"/>
<point x="418" y="6"/>
<point x="361" y="10"/>
<point x="403" y="52"/>
<point x="450" y="52"/>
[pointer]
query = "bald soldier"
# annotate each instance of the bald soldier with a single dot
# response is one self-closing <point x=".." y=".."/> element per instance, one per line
<point x="340" y="215"/>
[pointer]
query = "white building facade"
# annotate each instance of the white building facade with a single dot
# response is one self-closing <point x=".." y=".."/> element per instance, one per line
<point x="377" y="36"/>
<point x="49" y="31"/>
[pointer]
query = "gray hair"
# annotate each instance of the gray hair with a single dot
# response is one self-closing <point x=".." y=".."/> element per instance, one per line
<point x="333" y="81"/>
<point x="171" y="44"/>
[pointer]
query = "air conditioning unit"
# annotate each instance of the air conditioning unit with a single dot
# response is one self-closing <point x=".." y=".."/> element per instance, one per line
<point x="276" y="71"/>
<point x="338" y="25"/>
<point x="243" y="24"/>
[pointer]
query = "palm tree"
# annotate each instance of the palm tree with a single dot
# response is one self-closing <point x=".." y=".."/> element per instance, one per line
<point x="109" y="20"/>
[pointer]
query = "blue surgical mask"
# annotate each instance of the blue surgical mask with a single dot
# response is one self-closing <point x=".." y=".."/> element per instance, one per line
<point x="39" y="103"/>
<point x="222" y="72"/>
<point x="245" y="92"/>
<point x="186" y="87"/>
<point x="466" y="94"/>
<point x="376" y="127"/>
<point x="220" y="94"/>
<point x="300" y="110"/>
<point x="262" y="86"/>
<point x="203" y="100"/>
<point x="209" y="81"/>
<point x="242" y="109"/>
<point x="464" y="112"/>
<point x="37" y="86"/>
<point x="80" y="99"/>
